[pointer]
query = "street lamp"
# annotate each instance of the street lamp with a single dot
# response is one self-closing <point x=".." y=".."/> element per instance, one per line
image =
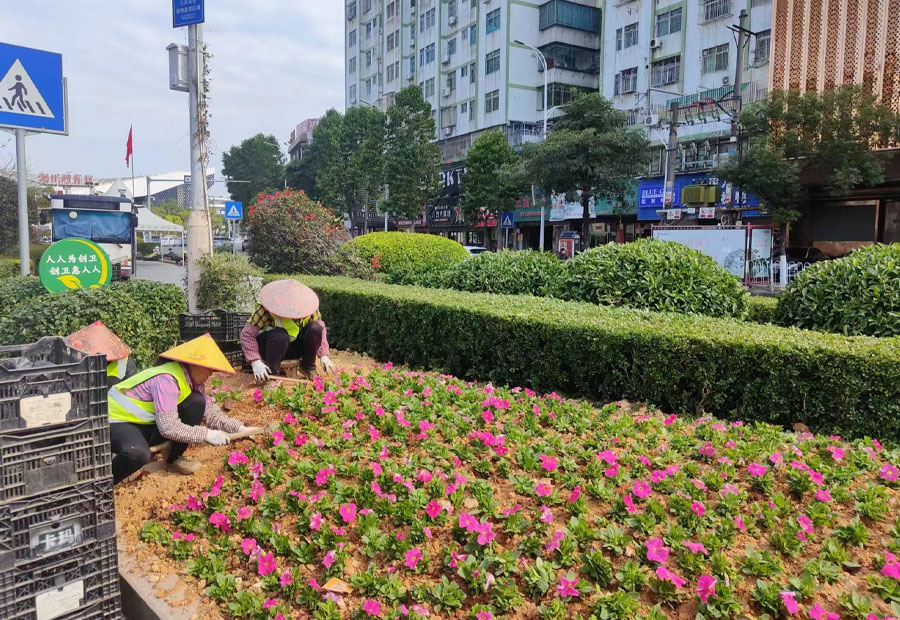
<point x="543" y="60"/>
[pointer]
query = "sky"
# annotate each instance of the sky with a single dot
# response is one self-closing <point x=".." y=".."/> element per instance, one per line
<point x="275" y="63"/>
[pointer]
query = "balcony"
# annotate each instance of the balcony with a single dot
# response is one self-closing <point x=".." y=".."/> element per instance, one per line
<point x="714" y="10"/>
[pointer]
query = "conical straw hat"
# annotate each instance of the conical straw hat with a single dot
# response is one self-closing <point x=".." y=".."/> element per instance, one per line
<point x="203" y="352"/>
<point x="289" y="299"/>
<point x="97" y="339"/>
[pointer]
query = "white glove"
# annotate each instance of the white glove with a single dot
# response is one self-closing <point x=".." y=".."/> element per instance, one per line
<point x="327" y="364"/>
<point x="260" y="370"/>
<point x="217" y="438"/>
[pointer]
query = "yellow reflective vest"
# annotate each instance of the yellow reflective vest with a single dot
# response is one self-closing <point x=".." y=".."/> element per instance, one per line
<point x="126" y="409"/>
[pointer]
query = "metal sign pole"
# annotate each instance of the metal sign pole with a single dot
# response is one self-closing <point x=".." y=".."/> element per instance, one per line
<point x="22" y="180"/>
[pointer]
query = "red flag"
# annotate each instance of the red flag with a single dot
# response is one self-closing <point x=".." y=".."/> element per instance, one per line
<point x="129" y="150"/>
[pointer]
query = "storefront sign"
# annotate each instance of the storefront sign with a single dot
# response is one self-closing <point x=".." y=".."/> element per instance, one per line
<point x="445" y="216"/>
<point x="707" y="213"/>
<point x="74" y="264"/>
<point x="65" y="179"/>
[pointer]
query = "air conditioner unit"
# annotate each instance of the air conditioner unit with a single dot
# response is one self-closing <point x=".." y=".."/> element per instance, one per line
<point x="651" y="120"/>
<point x="655" y="44"/>
<point x="445" y="92"/>
<point x="448" y="131"/>
<point x="726" y="81"/>
<point x="451" y="21"/>
<point x="446" y="59"/>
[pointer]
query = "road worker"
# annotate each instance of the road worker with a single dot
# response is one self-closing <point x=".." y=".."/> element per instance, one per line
<point x="98" y="339"/>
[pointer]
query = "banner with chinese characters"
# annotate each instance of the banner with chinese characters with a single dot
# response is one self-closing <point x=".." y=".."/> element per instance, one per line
<point x="73" y="264"/>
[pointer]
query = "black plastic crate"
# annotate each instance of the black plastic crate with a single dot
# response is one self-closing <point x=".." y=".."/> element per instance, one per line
<point x="222" y="325"/>
<point x="47" y="525"/>
<point x="234" y="354"/>
<point x="49" y="383"/>
<point x="59" y="457"/>
<point x="84" y="585"/>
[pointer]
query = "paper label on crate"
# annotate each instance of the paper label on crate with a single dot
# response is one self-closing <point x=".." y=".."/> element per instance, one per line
<point x="44" y="410"/>
<point x="55" y="537"/>
<point x="58" y="601"/>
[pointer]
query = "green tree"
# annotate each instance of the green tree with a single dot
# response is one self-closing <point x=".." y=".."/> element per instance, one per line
<point x="592" y="153"/>
<point x="796" y="137"/>
<point x="300" y="174"/>
<point x="412" y="159"/>
<point x="9" y="213"/>
<point x="489" y="190"/>
<point x="257" y="160"/>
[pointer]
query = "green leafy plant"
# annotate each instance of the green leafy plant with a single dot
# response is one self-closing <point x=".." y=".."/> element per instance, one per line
<point x="408" y="258"/>
<point x="228" y="282"/>
<point x="508" y="273"/>
<point x="447" y="595"/>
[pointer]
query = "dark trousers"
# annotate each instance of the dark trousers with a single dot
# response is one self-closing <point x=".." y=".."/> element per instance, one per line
<point x="131" y="442"/>
<point x="275" y="346"/>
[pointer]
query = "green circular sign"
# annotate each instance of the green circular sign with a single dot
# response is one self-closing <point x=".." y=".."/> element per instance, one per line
<point x="74" y="263"/>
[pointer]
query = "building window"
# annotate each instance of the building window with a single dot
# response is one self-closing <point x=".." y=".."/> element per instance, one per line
<point x="429" y="18"/>
<point x="353" y="65"/>
<point x="571" y="57"/>
<point x="472" y="110"/>
<point x="627" y="36"/>
<point x="351" y="11"/>
<point x="368" y="31"/>
<point x="763" y="47"/>
<point x="353" y="93"/>
<point x="426" y="54"/>
<point x="352" y="38"/>
<point x="492" y="62"/>
<point x="463" y="108"/>
<point x="393" y="40"/>
<point x="368" y="58"/>
<point x="473" y="73"/>
<point x="390" y="73"/>
<point x="711" y="10"/>
<point x="668" y="23"/>
<point x="666" y="71"/>
<point x="366" y="6"/>
<point x="473" y="5"/>
<point x="464" y="71"/>
<point x="491" y="101"/>
<point x="560" y="94"/>
<point x="451" y="80"/>
<point x="492" y="24"/>
<point x="626" y="81"/>
<point x="756" y="3"/>
<point x="715" y="58"/>
<point x="451" y="9"/>
<point x="569" y="14"/>
<point x="473" y="34"/>
<point x="451" y="46"/>
<point x="429" y="87"/>
<point x="391" y="9"/>
<point x="368" y="87"/>
<point x="448" y="117"/>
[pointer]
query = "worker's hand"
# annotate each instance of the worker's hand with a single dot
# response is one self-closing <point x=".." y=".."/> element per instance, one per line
<point x="217" y="438"/>
<point x="327" y="364"/>
<point x="260" y="370"/>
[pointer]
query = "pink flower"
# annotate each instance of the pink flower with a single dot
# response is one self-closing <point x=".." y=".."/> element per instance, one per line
<point x="739" y="524"/>
<point x="546" y="515"/>
<point x="553" y="545"/>
<point x="889" y="473"/>
<point x="244" y="512"/>
<point x="348" y="512"/>
<point x="706" y="587"/>
<point x="257" y="395"/>
<point x="485" y="533"/>
<point x="237" y="458"/>
<point x="220" y="521"/>
<point x="277" y="437"/>
<point x="629" y="504"/>
<point x="695" y="548"/>
<point x="666" y="575"/>
<point x="270" y="603"/>
<point x="891" y="566"/>
<point x="286" y="579"/>
<point x="641" y="489"/>
<point x="371" y="607"/>
<point x="467" y="522"/>
<point x="817" y="612"/>
<point x="542" y="489"/>
<point x="612" y="471"/>
<point x="433" y="509"/>
<point x="707" y="450"/>
<point x="729" y="489"/>
<point x="566" y="587"/>
<point x="329" y="558"/>
<point x="806" y="524"/>
<point x="456" y="558"/>
<point x="193" y="503"/>
<point x="574" y="495"/>
<point x="257" y="490"/>
<point x="315" y="521"/>
<point x="248" y="546"/>
<point x="757" y="470"/>
<point x="266" y="564"/>
<point x="300" y="440"/>
<point x="608" y="456"/>
<point x="787" y="597"/>
<point x="776" y="459"/>
<point x="549" y="462"/>
<point x="823" y="495"/>
<point x="698" y="509"/>
<point x="413" y="557"/>
<point x="656" y="550"/>
<point x="484" y="615"/>
<point x="670" y="419"/>
<point x="836" y="453"/>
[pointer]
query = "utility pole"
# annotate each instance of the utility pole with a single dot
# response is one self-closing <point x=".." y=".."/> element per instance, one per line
<point x="22" y="178"/>
<point x="743" y="39"/>
<point x="669" y="182"/>
<point x="199" y="232"/>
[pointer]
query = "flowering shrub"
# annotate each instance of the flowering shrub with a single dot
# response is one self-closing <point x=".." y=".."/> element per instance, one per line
<point x="400" y="495"/>
<point x="291" y="233"/>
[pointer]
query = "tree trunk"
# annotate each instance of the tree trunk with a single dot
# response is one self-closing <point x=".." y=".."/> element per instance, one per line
<point x="585" y="221"/>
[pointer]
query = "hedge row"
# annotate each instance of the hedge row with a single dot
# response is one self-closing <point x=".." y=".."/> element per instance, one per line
<point x="682" y="363"/>
<point x="762" y="309"/>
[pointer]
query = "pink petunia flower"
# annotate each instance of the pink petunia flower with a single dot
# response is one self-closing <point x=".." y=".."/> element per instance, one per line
<point x="695" y="548"/>
<point x="608" y="456"/>
<point x="485" y="533"/>
<point x="656" y="550"/>
<point x="817" y="612"/>
<point x="371" y="607"/>
<point x="823" y="495"/>
<point x="566" y="588"/>
<point x="707" y="450"/>
<point x="248" y="546"/>
<point x="266" y="564"/>
<point x="546" y="515"/>
<point x="641" y="489"/>
<point x="790" y="603"/>
<point x="670" y="419"/>
<point x="706" y="587"/>
<point x="433" y="509"/>
<point x="484" y="615"/>
<point x="574" y="495"/>
<point x="220" y="521"/>
<point x="837" y="453"/>
<point x="550" y="463"/>
<point x="739" y="524"/>
<point x="287" y="578"/>
<point x="698" y="509"/>
<point x="757" y="470"/>
<point x="806" y="524"/>
<point x="553" y="545"/>
<point x="611" y="471"/>
<point x="329" y="559"/>
<point x="413" y="557"/>
<point x="244" y="512"/>
<point x="237" y="458"/>
<point x="257" y="395"/>
<point x="889" y="473"/>
<point x="315" y="521"/>
<point x="629" y="504"/>
<point x="665" y="574"/>
<point x="348" y="512"/>
<point x="543" y="489"/>
<point x="891" y="566"/>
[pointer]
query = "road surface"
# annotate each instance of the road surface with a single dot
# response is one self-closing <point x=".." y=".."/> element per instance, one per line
<point x="157" y="271"/>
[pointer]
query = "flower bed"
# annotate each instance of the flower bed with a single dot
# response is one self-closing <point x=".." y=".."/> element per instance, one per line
<point x="399" y="494"/>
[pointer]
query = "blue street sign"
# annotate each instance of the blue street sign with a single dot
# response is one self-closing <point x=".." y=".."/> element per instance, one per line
<point x="32" y="90"/>
<point x="187" y="12"/>
<point x="234" y="210"/>
<point x="506" y="219"/>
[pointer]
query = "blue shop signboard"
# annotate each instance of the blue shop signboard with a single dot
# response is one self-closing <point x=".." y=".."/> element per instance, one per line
<point x="651" y="193"/>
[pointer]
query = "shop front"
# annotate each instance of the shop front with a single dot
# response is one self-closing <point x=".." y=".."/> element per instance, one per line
<point x="651" y="205"/>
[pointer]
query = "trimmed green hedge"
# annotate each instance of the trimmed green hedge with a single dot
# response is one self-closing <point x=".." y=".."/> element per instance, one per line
<point x="408" y="258"/>
<point x="762" y="309"/>
<point x="683" y="363"/>
<point x="523" y="272"/>
<point x="9" y="268"/>
<point x="14" y="291"/>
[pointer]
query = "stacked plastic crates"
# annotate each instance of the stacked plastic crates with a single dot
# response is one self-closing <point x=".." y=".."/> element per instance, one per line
<point x="224" y="327"/>
<point x="57" y="520"/>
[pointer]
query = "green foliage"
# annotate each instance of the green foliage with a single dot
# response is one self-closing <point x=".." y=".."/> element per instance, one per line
<point x="508" y="273"/>
<point x="257" y="160"/>
<point x="9" y="268"/>
<point x="15" y="290"/>
<point x="486" y="192"/>
<point x="762" y="309"/>
<point x="855" y="295"/>
<point x="408" y="258"/>
<point x="9" y="213"/>
<point x="161" y="302"/>
<point x="291" y="233"/>
<point x="147" y="248"/>
<point x="228" y="281"/>
<point x="684" y="363"/>
<point x="652" y="274"/>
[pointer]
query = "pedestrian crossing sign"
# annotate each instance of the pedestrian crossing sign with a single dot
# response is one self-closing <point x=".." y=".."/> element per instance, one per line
<point x="32" y="90"/>
<point x="234" y="210"/>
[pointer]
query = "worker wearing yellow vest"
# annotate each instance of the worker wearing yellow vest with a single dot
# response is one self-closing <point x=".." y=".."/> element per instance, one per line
<point x="168" y="402"/>
<point x="286" y="325"/>
<point x="98" y="339"/>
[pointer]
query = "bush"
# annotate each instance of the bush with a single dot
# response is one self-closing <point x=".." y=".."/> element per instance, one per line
<point x="162" y="304"/>
<point x="654" y="275"/>
<point x="290" y="232"/>
<point x="145" y="248"/>
<point x="14" y="291"/>
<point x="9" y="268"/>
<point x="857" y="295"/>
<point x="762" y="309"/>
<point x="409" y="258"/>
<point x="60" y="314"/>
<point x="684" y="363"/>
<point x="511" y="273"/>
<point x="228" y="281"/>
